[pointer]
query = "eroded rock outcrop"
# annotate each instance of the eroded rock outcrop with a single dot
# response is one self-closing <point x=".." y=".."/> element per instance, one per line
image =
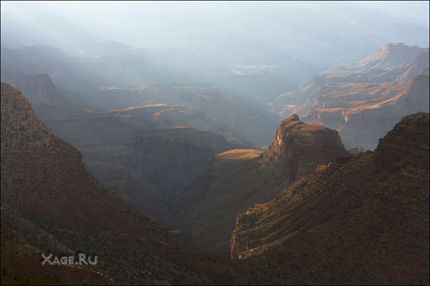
<point x="242" y="178"/>
<point x="298" y="147"/>
<point x="362" y="220"/>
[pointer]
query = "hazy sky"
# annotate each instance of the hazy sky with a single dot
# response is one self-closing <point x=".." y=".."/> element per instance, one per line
<point x="246" y="28"/>
<point x="291" y="41"/>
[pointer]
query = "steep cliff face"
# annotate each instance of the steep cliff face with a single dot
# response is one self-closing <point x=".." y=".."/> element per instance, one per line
<point x="362" y="220"/>
<point x="50" y="201"/>
<point x="44" y="177"/>
<point x="298" y="147"/>
<point x="240" y="178"/>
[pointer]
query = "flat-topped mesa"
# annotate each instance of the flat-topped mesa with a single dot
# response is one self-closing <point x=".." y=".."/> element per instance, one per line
<point x="298" y="147"/>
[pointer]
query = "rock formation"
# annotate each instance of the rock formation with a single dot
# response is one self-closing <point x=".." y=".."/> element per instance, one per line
<point x="298" y="147"/>
<point x="240" y="178"/>
<point x="362" y="220"/>
<point x="52" y="205"/>
<point x="365" y="99"/>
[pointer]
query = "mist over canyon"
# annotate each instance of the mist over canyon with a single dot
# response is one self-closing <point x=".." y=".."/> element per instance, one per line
<point x="215" y="142"/>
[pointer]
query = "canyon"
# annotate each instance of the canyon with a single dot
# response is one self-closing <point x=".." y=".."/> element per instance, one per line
<point x="170" y="179"/>
<point x="215" y="143"/>
<point x="303" y="211"/>
<point x="50" y="204"/>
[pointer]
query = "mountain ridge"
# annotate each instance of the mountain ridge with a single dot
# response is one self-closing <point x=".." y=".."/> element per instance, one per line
<point x="361" y="220"/>
<point x="360" y="100"/>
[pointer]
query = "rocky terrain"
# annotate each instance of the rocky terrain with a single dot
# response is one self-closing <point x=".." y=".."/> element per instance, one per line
<point x="133" y="151"/>
<point x="365" y="99"/>
<point x="298" y="147"/>
<point x="222" y="143"/>
<point x="304" y="211"/>
<point x="240" y="178"/>
<point x="360" y="220"/>
<point x="21" y="265"/>
<point x="50" y="204"/>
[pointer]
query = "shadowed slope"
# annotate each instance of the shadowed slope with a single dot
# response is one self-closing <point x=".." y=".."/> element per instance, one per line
<point x="360" y="221"/>
<point x="54" y="205"/>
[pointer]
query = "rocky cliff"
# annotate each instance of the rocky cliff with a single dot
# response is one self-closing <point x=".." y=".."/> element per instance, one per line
<point x="240" y="178"/>
<point x="362" y="220"/>
<point x="52" y="205"/>
<point x="298" y="147"/>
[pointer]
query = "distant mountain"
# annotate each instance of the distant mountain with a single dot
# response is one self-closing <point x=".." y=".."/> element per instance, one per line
<point x="392" y="57"/>
<point x="362" y="220"/>
<point x="365" y="99"/>
<point x="50" y="204"/>
<point x="242" y="177"/>
<point x="129" y="77"/>
<point x="124" y="67"/>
